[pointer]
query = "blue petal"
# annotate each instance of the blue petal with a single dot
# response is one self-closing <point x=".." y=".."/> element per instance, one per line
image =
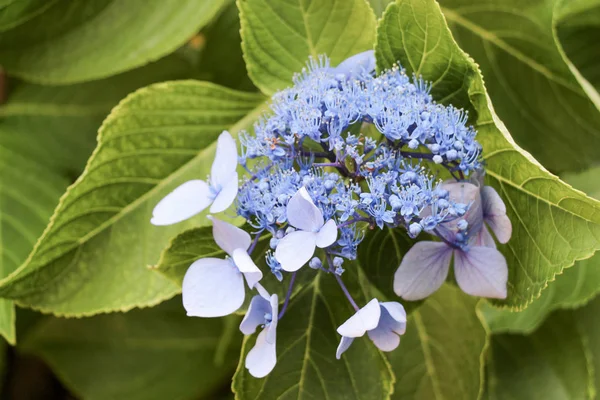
<point x="355" y="65"/>
<point x="295" y="250"/>
<point x="225" y="162"/>
<point x="262" y="358"/>
<point x="391" y="324"/>
<point x="229" y="237"/>
<point x="212" y="288"/>
<point x="363" y="320"/>
<point x="423" y="270"/>
<point x="481" y="271"/>
<point x="343" y="346"/>
<point x="302" y="212"/>
<point x="255" y="316"/>
<point x="182" y="203"/>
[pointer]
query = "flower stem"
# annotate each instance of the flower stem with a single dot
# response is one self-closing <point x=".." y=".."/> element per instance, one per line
<point x="346" y="292"/>
<point x="287" y="296"/>
<point x="354" y="220"/>
<point x="341" y="283"/>
<point x="255" y="241"/>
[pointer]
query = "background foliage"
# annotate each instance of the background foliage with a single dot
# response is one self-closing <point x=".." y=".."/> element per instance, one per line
<point x="105" y="106"/>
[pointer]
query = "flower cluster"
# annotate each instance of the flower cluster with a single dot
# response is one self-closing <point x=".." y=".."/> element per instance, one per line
<point x="343" y="151"/>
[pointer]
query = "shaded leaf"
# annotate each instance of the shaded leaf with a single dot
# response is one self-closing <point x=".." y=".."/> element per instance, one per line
<point x="278" y="37"/>
<point x="552" y="363"/>
<point x="441" y="354"/>
<point x="553" y="224"/>
<point x="535" y="89"/>
<point x="156" y="353"/>
<point x="62" y="41"/>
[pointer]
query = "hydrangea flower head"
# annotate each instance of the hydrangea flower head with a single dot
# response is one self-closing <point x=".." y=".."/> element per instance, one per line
<point x="344" y="151"/>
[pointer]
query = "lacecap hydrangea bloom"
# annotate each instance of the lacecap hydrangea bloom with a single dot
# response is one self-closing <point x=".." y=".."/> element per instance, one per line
<point x="341" y="152"/>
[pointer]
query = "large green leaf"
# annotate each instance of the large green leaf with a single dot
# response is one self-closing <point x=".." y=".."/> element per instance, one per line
<point x="551" y="364"/>
<point x="553" y="224"/>
<point x="156" y="353"/>
<point x="46" y="135"/>
<point x="575" y="287"/>
<point x="578" y="27"/>
<point x="278" y="37"/>
<point x="93" y="256"/>
<point x="536" y="90"/>
<point x="441" y="355"/>
<point x="64" y="41"/>
<point x="306" y="345"/>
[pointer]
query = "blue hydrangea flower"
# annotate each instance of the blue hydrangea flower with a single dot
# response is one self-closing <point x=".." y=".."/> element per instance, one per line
<point x="214" y="287"/>
<point x="480" y="269"/>
<point x="384" y="322"/>
<point x="194" y="196"/>
<point x="263" y="311"/>
<point x="298" y="247"/>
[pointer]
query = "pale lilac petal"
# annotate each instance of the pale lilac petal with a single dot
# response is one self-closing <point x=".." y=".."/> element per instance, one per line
<point x="212" y="288"/>
<point x="423" y="270"/>
<point x="355" y="65"/>
<point x="327" y="235"/>
<point x="494" y="213"/>
<point x="392" y="323"/>
<point x="363" y="320"/>
<point x="302" y="212"/>
<point x="182" y="203"/>
<point x="229" y="237"/>
<point x="262" y="358"/>
<point x="484" y="238"/>
<point x="481" y="271"/>
<point x="255" y="316"/>
<point x="246" y="265"/>
<point x="343" y="346"/>
<point x="272" y="328"/>
<point x="225" y="162"/>
<point x="226" y="195"/>
<point x="295" y="250"/>
<point x="397" y="312"/>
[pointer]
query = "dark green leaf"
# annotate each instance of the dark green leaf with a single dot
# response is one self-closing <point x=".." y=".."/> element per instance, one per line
<point x="156" y="353"/>
<point x="64" y="41"/>
<point x="441" y="354"/>
<point x="535" y="89"/>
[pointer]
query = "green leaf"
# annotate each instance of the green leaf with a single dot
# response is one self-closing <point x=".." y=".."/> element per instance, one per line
<point x="93" y="256"/>
<point x="306" y="345"/>
<point x="278" y="37"/>
<point x="221" y="61"/>
<point x="380" y="254"/>
<point x="156" y="353"/>
<point x="577" y="29"/>
<point x="553" y="224"/>
<point x="536" y="90"/>
<point x="46" y="135"/>
<point x="551" y="364"/>
<point x="63" y="42"/>
<point x="441" y="354"/>
<point x="573" y="288"/>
